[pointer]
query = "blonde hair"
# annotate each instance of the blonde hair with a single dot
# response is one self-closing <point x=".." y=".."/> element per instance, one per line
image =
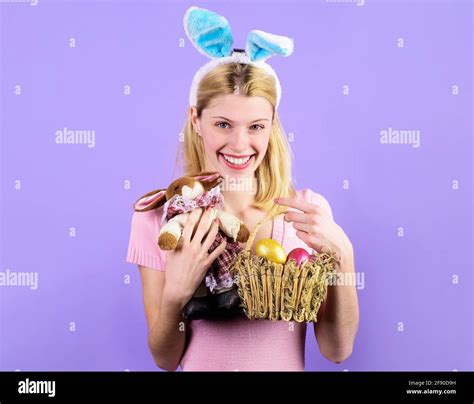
<point x="274" y="172"/>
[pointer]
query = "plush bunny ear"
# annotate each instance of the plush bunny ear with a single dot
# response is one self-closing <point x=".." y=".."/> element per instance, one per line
<point x="209" y="32"/>
<point x="151" y="200"/>
<point x="262" y="45"/>
<point x="207" y="176"/>
<point x="210" y="179"/>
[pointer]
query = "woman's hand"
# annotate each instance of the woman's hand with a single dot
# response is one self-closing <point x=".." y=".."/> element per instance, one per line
<point x="315" y="226"/>
<point x="187" y="265"/>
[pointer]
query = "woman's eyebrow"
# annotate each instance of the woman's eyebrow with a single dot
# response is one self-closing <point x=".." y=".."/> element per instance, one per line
<point x="227" y="119"/>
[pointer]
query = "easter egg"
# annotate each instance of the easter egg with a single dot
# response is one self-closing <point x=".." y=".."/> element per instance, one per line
<point x="300" y="255"/>
<point x="271" y="250"/>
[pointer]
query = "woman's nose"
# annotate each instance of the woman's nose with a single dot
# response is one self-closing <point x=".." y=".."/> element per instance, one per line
<point x="240" y="139"/>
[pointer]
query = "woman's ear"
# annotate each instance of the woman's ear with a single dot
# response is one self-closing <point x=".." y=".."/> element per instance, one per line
<point x="195" y="120"/>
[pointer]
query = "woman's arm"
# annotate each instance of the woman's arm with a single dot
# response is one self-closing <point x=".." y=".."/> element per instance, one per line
<point x="166" y="326"/>
<point x="338" y="316"/>
<point x="164" y="301"/>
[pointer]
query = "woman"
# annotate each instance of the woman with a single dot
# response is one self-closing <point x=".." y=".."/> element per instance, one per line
<point x="233" y="128"/>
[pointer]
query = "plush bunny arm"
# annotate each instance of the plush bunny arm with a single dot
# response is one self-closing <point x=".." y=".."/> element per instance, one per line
<point x="175" y="225"/>
<point x="230" y="225"/>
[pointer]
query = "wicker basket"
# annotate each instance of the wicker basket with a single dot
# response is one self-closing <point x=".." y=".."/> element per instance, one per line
<point x="281" y="291"/>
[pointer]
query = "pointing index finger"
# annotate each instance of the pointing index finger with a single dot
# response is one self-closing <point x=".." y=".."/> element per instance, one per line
<point x="295" y="203"/>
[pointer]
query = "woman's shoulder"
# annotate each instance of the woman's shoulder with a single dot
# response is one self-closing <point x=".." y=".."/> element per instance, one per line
<point x="149" y="214"/>
<point x="315" y="198"/>
<point x="150" y="219"/>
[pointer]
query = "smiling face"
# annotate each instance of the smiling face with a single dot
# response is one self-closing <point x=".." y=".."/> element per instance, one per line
<point x="235" y="130"/>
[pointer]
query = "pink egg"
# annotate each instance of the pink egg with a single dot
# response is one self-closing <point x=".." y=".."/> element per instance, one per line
<point x="300" y="255"/>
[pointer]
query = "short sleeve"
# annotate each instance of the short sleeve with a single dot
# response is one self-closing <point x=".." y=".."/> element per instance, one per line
<point x="317" y="199"/>
<point x="143" y="246"/>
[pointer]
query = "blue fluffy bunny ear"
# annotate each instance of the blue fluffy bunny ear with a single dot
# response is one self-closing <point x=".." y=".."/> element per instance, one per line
<point x="262" y="45"/>
<point x="209" y="32"/>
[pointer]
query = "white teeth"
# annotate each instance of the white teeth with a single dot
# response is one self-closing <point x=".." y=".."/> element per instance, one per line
<point x="237" y="161"/>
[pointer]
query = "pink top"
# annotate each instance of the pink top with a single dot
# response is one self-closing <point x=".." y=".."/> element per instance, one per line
<point x="237" y="343"/>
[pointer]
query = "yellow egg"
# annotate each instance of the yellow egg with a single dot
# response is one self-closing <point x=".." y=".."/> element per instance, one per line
<point x="271" y="250"/>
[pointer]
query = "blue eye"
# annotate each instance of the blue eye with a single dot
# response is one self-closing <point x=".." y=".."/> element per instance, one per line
<point x="258" y="127"/>
<point x="222" y="123"/>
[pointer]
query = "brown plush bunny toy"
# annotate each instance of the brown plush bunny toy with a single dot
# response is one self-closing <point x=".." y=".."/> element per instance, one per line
<point x="179" y="199"/>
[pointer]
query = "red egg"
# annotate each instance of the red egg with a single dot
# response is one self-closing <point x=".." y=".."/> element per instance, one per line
<point x="300" y="255"/>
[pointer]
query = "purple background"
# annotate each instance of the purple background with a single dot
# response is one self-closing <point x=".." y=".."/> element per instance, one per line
<point x="81" y="279"/>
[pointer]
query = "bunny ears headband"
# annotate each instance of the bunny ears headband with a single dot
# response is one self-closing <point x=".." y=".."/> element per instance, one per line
<point x="211" y="35"/>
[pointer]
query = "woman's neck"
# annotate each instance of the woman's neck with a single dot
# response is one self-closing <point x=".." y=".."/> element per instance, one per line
<point x="239" y="196"/>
